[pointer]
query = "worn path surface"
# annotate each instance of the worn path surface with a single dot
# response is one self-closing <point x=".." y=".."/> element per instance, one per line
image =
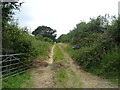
<point x="43" y="75"/>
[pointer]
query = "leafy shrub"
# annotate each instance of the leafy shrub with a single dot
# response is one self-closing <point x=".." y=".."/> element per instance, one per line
<point x="100" y="45"/>
<point x="16" y="40"/>
<point x="110" y="61"/>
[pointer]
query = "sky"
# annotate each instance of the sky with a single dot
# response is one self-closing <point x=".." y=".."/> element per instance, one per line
<point x="62" y="15"/>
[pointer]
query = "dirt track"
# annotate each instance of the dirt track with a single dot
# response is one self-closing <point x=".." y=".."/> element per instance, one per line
<point x="43" y="75"/>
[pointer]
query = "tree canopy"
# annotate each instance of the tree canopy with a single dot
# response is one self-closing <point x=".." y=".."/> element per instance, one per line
<point x="45" y="32"/>
<point x="8" y="11"/>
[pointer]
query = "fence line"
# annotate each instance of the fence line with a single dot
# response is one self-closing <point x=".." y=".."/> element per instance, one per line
<point x="13" y="64"/>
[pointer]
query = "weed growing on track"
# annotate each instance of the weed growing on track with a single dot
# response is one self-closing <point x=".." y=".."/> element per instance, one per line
<point x="62" y="78"/>
<point x="67" y="79"/>
<point x="58" y="55"/>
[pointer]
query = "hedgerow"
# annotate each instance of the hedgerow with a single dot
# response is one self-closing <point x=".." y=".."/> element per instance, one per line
<point x="17" y="40"/>
<point x="99" y="42"/>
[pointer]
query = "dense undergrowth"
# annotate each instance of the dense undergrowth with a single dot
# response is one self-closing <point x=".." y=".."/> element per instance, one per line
<point x="107" y="68"/>
<point x="99" y="51"/>
<point x="17" y="40"/>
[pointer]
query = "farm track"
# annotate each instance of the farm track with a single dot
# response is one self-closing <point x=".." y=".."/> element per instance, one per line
<point x="43" y="75"/>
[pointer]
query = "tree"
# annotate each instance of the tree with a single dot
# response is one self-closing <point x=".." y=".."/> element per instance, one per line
<point x="8" y="11"/>
<point x="8" y="29"/>
<point x="45" y="32"/>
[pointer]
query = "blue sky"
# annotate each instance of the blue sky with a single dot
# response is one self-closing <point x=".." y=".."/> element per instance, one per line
<point x="62" y="15"/>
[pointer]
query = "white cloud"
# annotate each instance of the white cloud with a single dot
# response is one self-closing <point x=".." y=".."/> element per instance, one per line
<point x="63" y="15"/>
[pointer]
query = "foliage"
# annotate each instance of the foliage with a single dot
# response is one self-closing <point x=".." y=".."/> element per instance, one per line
<point x="63" y="38"/>
<point x="44" y="38"/>
<point x="99" y="42"/>
<point x="114" y="30"/>
<point x="7" y="11"/>
<point x="45" y="32"/>
<point x="16" y="40"/>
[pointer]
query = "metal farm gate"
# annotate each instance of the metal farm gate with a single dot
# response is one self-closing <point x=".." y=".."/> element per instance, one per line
<point x="13" y="64"/>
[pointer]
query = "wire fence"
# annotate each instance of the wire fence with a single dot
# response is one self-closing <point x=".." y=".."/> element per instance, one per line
<point x="13" y="64"/>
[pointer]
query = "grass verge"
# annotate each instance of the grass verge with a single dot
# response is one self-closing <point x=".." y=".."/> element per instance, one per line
<point x="17" y="81"/>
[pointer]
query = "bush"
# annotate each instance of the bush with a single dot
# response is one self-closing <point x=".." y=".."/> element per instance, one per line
<point x="16" y="40"/>
<point x="100" y="45"/>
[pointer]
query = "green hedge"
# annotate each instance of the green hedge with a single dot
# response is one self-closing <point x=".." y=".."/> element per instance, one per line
<point x="17" y="40"/>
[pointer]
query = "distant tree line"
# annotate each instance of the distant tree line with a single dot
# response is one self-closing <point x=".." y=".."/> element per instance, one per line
<point x="45" y="32"/>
